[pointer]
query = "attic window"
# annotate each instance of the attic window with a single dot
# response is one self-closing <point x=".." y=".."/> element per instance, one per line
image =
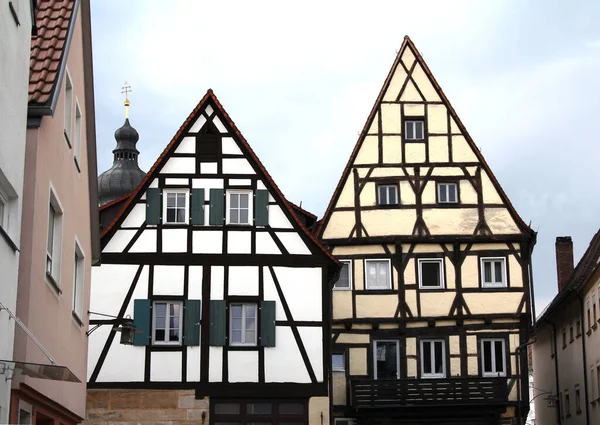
<point x="209" y="146"/>
<point x="414" y="129"/>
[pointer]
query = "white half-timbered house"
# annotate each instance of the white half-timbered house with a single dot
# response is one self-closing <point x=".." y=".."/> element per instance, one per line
<point x="432" y="310"/>
<point x="228" y="291"/>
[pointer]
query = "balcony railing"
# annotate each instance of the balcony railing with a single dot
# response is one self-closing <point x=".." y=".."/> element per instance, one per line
<point x="428" y="392"/>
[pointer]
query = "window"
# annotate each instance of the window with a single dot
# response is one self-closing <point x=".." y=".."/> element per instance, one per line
<point x="571" y="336"/>
<point x="167" y="323"/>
<point x="431" y="273"/>
<point x="493" y="359"/>
<point x="594" y="380"/>
<point x="259" y="412"/>
<point x="577" y="401"/>
<point x="447" y="193"/>
<point x="567" y="404"/>
<point x="595" y="315"/>
<point x="386" y="362"/>
<point x="578" y="327"/>
<point x="176" y="207"/>
<point x="338" y="363"/>
<point x="239" y="210"/>
<point x="78" y="276"/>
<point x="589" y="317"/>
<point x="345" y="279"/>
<point x="414" y="129"/>
<point x="493" y="272"/>
<point x="552" y="337"/>
<point x="387" y="194"/>
<point x="377" y="274"/>
<point x="77" y="139"/>
<point x="3" y="212"/>
<point x="68" y="107"/>
<point x="433" y="358"/>
<point x="243" y="324"/>
<point x="564" y="336"/>
<point x="54" y="242"/>
<point x="24" y="413"/>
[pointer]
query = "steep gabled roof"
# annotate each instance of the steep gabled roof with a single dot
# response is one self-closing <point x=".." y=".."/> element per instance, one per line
<point x="408" y="44"/>
<point x="55" y="20"/>
<point x="210" y="97"/>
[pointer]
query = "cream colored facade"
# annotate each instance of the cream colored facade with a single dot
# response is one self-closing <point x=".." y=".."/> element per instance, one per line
<point x="591" y="292"/>
<point x="419" y="220"/>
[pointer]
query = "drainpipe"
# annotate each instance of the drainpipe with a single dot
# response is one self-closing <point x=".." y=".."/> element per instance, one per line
<point x="583" y="334"/>
<point x="558" y="412"/>
<point x="518" y="351"/>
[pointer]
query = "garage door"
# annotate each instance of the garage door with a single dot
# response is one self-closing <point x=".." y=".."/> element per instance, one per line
<point x="258" y="412"/>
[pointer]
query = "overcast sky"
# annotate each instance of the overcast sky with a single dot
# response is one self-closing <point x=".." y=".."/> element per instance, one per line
<point x="299" y="80"/>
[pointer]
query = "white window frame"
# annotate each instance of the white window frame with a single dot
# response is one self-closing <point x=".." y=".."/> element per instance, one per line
<point x="338" y="369"/>
<point x="69" y="95"/>
<point x="387" y="187"/>
<point x="166" y="193"/>
<point x="504" y="282"/>
<point x="422" y="358"/>
<point x="413" y="123"/>
<point x="250" y="194"/>
<point x="77" y="135"/>
<point x="349" y="288"/>
<point x="78" y="281"/>
<point x="167" y="322"/>
<point x="446" y="185"/>
<point x="375" y="342"/>
<point x="440" y="261"/>
<point x="389" y="274"/>
<point x="493" y="359"/>
<point x="56" y="255"/>
<point x="243" y="330"/>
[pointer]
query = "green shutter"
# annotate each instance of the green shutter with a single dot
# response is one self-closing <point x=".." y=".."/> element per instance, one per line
<point x="217" y="331"/>
<point x="267" y="323"/>
<point x="191" y="322"/>
<point x="197" y="206"/>
<point x="217" y="207"/>
<point x="141" y="321"/>
<point x="153" y="205"/>
<point x="262" y="208"/>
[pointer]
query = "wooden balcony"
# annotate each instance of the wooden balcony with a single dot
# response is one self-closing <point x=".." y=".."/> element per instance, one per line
<point x="450" y="392"/>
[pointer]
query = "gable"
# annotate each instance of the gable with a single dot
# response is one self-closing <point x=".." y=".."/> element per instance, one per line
<point x="209" y="157"/>
<point x="414" y="140"/>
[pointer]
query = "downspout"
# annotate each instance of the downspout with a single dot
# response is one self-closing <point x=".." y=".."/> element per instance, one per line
<point x="558" y="413"/>
<point x="583" y="334"/>
<point x="518" y="351"/>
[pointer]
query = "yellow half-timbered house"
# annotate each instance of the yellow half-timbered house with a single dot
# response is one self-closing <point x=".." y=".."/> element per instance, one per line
<point x="432" y="309"/>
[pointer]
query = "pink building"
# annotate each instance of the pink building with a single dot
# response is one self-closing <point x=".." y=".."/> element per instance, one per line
<point x="59" y="238"/>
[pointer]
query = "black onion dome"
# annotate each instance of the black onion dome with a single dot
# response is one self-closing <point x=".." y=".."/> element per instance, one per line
<point x="125" y="174"/>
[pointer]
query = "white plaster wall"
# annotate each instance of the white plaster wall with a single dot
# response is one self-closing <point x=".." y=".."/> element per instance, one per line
<point x="230" y="147"/>
<point x="265" y="244"/>
<point x="217" y="279"/>
<point x="277" y="218"/>
<point x="165" y="366"/>
<point x="123" y="363"/>
<point x="110" y="283"/>
<point x="312" y="338"/>
<point x="207" y="184"/>
<point x="168" y="280"/>
<point x="215" y="364"/>
<point x="187" y="145"/>
<point x="240" y="182"/>
<point x="239" y="242"/>
<point x="119" y="241"/>
<point x="193" y="364"/>
<point x="197" y="126"/>
<point x="174" y="240"/>
<point x="145" y="243"/>
<point x="208" y="168"/>
<point x="195" y="282"/>
<point x="175" y="181"/>
<point x="237" y="166"/>
<point x="243" y="366"/>
<point x="284" y="363"/>
<point x="299" y="285"/>
<point x="270" y="294"/>
<point x="96" y="342"/>
<point x="207" y="242"/>
<point x="179" y="166"/>
<point x="136" y="216"/>
<point x="243" y="280"/>
<point x="217" y="122"/>
<point x="293" y="243"/>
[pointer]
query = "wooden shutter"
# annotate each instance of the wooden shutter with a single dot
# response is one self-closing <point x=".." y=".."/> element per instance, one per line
<point x="267" y="323"/>
<point x="197" y="206"/>
<point x="141" y="321"/>
<point x="262" y="208"/>
<point x="152" y="205"/>
<point x="217" y="331"/>
<point x="217" y="207"/>
<point x="191" y="322"/>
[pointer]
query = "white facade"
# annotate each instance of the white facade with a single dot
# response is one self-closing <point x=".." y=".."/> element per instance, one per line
<point x="15" y="39"/>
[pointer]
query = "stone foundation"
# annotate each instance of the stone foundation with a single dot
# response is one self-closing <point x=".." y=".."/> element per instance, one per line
<point x="145" y="407"/>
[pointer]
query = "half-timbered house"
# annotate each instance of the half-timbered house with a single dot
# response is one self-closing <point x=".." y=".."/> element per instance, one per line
<point x="227" y="289"/>
<point x="433" y="303"/>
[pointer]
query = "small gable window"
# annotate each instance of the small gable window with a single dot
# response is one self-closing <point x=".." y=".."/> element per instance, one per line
<point x="243" y="324"/>
<point x="345" y="279"/>
<point x="176" y="207"/>
<point x="239" y="210"/>
<point x="447" y="193"/>
<point x="414" y="129"/>
<point x="387" y="194"/>
<point x="493" y="272"/>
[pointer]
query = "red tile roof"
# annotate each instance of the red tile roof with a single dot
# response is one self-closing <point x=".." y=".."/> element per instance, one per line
<point x="151" y="173"/>
<point x="52" y="19"/>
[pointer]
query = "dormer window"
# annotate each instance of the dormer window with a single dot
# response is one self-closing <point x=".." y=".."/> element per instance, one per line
<point x="414" y="129"/>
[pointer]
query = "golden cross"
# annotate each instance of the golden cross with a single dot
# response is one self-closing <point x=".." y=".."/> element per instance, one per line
<point x="126" y="89"/>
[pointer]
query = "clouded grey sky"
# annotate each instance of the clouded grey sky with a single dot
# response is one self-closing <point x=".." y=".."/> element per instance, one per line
<point x="299" y="80"/>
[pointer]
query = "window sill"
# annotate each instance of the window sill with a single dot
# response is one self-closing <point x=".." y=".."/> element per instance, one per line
<point x="432" y="288"/>
<point x="595" y="326"/>
<point x="67" y="139"/>
<point x="423" y="140"/>
<point x="372" y="291"/>
<point x="568" y="415"/>
<point x="242" y="347"/>
<point x="448" y="204"/>
<point x="13" y="12"/>
<point x="8" y="239"/>
<point x="77" y="164"/>
<point x="589" y="332"/>
<point x="53" y="283"/>
<point x="490" y="288"/>
<point x="76" y="318"/>
<point x="342" y="289"/>
<point x="578" y="336"/>
<point x="578" y="412"/>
